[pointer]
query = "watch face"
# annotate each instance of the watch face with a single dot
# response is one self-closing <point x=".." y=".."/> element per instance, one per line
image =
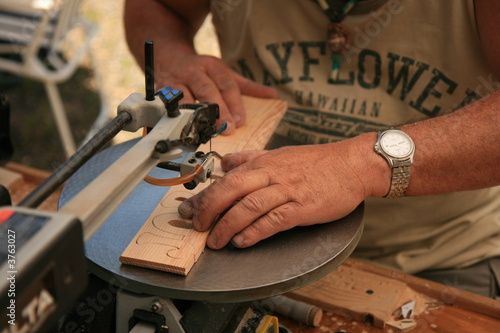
<point x="396" y="144"/>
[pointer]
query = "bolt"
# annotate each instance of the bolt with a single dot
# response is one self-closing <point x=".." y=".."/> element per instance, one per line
<point x="156" y="306"/>
<point x="162" y="147"/>
<point x="191" y="185"/>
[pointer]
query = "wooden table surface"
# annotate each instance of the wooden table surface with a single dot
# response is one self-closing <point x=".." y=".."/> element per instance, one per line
<point x="31" y="178"/>
<point x="439" y="308"/>
<point x="445" y="319"/>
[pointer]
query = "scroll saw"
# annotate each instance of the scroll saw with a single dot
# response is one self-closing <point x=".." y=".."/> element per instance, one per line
<point x="104" y="204"/>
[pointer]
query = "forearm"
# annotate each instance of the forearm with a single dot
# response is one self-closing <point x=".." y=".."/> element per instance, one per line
<point x="171" y="30"/>
<point x="456" y="152"/>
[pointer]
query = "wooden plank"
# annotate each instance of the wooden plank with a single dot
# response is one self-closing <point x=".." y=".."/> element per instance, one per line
<point x="9" y="178"/>
<point x="445" y="294"/>
<point x="31" y="179"/>
<point x="29" y="174"/>
<point x="343" y="293"/>
<point x="442" y="319"/>
<point x="358" y="295"/>
<point x="167" y="242"/>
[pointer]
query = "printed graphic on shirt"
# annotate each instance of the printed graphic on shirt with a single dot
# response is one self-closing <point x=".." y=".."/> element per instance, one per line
<point x="323" y="115"/>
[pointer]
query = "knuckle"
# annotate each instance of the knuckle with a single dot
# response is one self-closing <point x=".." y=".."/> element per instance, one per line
<point x="214" y="64"/>
<point x="252" y="203"/>
<point x="208" y="60"/>
<point x="304" y="197"/>
<point x="256" y="231"/>
<point x="276" y="219"/>
<point x="225" y="224"/>
<point x="226" y="83"/>
<point x="205" y="89"/>
<point x="232" y="181"/>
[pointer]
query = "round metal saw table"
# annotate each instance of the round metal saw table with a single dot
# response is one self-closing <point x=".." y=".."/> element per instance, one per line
<point x="281" y="263"/>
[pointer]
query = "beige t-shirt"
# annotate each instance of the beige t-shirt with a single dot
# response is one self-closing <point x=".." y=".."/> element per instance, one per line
<point x="409" y="60"/>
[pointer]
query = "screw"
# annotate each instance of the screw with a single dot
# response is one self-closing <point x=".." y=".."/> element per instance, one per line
<point x="162" y="147"/>
<point x="156" y="306"/>
<point x="191" y="185"/>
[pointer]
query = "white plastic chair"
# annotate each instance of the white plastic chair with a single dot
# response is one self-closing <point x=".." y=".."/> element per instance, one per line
<point x="29" y="27"/>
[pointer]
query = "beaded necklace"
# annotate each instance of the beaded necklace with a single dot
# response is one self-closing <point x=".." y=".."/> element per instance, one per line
<point x="339" y="39"/>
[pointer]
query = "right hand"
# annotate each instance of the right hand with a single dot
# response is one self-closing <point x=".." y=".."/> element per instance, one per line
<point x="207" y="79"/>
<point x="263" y="193"/>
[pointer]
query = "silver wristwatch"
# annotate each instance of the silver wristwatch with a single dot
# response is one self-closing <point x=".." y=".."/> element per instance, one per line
<point x="398" y="149"/>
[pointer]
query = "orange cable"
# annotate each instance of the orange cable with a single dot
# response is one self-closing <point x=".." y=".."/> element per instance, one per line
<point x="175" y="181"/>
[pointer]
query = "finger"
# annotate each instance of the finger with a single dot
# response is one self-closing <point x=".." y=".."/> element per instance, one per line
<point x="205" y="206"/>
<point x="188" y="96"/>
<point x="230" y="93"/>
<point x="244" y="213"/>
<point x="252" y="88"/>
<point x="231" y="161"/>
<point x="205" y="89"/>
<point x="279" y="219"/>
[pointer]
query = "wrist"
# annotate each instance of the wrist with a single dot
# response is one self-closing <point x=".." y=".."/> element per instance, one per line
<point x="372" y="169"/>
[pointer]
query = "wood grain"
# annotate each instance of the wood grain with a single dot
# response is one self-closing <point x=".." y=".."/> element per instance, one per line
<point x="446" y="294"/>
<point x="31" y="179"/>
<point x="168" y="242"/>
<point x="9" y="178"/>
<point x="366" y="293"/>
<point x="354" y="294"/>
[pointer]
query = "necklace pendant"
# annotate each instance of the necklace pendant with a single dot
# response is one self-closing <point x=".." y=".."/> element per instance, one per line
<point x="339" y="39"/>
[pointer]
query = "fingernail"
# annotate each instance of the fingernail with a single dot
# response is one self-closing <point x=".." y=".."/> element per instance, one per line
<point x="186" y="209"/>
<point x="212" y="240"/>
<point x="229" y="129"/>
<point x="237" y="118"/>
<point x="238" y="240"/>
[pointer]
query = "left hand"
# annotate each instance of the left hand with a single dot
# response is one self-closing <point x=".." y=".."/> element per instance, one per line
<point x="280" y="189"/>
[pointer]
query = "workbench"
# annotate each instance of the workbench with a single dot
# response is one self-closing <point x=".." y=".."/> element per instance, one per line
<point x="442" y="308"/>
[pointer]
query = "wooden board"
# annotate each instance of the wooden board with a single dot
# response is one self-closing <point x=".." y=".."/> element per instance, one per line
<point x="9" y="178"/>
<point x="446" y="294"/>
<point x="31" y="178"/>
<point x="358" y="295"/>
<point x="349" y="308"/>
<point x="166" y="241"/>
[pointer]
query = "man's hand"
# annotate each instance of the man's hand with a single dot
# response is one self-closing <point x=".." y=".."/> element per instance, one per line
<point x="172" y="25"/>
<point x="268" y="192"/>
<point x="208" y="79"/>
